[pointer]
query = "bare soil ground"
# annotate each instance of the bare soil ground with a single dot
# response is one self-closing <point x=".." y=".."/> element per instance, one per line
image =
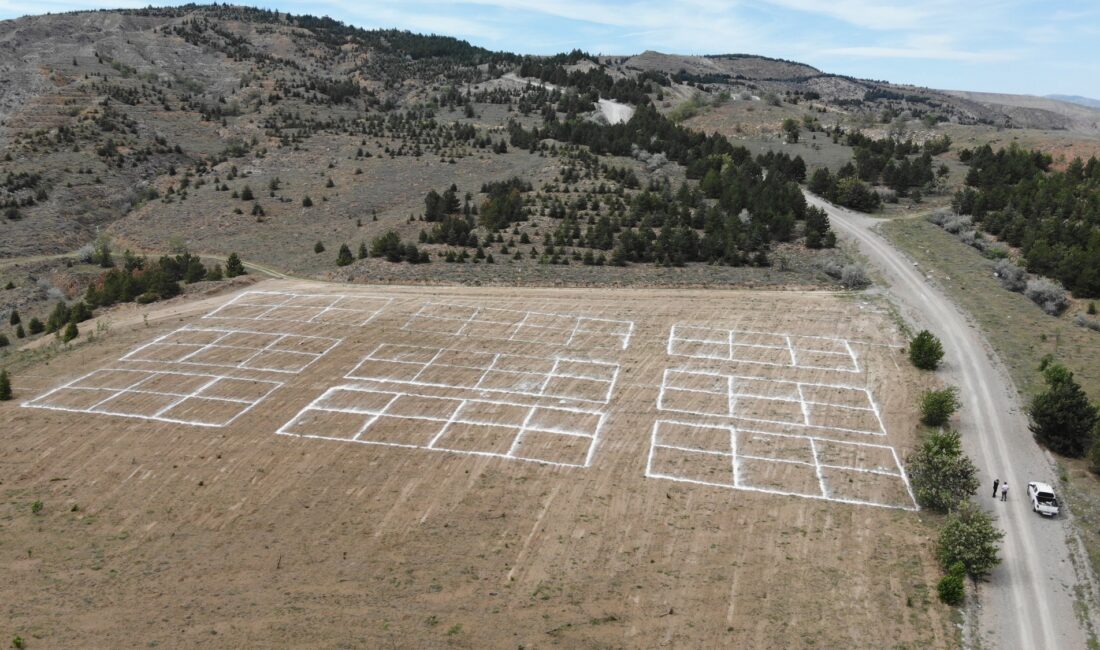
<point x="501" y="521"/>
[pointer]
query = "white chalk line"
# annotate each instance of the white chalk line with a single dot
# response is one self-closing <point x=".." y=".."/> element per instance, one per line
<point x="732" y="395"/>
<point x="243" y="365"/>
<point x="245" y="299"/>
<point x="452" y="419"/>
<point x="543" y="379"/>
<point x="518" y="321"/>
<point x="159" y="415"/>
<point x="727" y="338"/>
<point x="738" y="484"/>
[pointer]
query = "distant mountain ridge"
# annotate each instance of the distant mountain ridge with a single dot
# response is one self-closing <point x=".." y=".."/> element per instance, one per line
<point x="1077" y="99"/>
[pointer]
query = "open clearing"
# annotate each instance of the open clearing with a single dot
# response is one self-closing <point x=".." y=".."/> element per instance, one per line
<point x="309" y="464"/>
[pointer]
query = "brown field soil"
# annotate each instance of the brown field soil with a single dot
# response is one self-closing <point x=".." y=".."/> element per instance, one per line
<point x="159" y="533"/>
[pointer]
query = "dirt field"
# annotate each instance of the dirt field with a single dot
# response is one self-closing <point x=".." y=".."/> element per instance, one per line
<point x="474" y="468"/>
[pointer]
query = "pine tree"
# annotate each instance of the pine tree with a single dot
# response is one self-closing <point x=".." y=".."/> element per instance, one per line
<point x="362" y="251"/>
<point x="1062" y="419"/>
<point x="307" y="202"/>
<point x="5" y="386"/>
<point x="14" y="320"/>
<point x="925" y="351"/>
<point x="318" y="247"/>
<point x="71" y="332"/>
<point x="233" y="266"/>
<point x="343" y="258"/>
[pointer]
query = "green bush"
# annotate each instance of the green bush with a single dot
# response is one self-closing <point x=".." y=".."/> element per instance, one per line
<point x="937" y="406"/>
<point x="1062" y="418"/>
<point x="71" y="332"/>
<point x="969" y="537"/>
<point x="343" y="258"/>
<point x="5" y="386"/>
<point x="951" y="587"/>
<point x="925" y="351"/>
<point x="940" y="474"/>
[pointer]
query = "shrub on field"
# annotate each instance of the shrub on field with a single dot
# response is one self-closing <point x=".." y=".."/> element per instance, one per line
<point x="941" y="475"/>
<point x="951" y="588"/>
<point x="1048" y="294"/>
<point x="5" y="386"/>
<point x="1087" y="322"/>
<point x="969" y="537"/>
<point x="852" y="276"/>
<point x="957" y="224"/>
<point x="940" y="216"/>
<point x="925" y="351"/>
<point x="1011" y="276"/>
<point x="85" y="253"/>
<point x="937" y="406"/>
<point x="1062" y="418"/>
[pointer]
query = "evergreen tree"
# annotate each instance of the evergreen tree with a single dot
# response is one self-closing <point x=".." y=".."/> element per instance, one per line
<point x="234" y="266"/>
<point x="925" y="351"/>
<point x="1062" y="419"/>
<point x="937" y="406"/>
<point x="71" y="332"/>
<point x="318" y="247"/>
<point x="5" y="386"/>
<point x="14" y="319"/>
<point x="343" y="258"/>
<point x="362" y="254"/>
<point x="35" y="326"/>
<point x="4" y="341"/>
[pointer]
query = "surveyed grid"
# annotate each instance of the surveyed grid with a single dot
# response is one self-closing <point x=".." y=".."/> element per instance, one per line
<point x="571" y="330"/>
<point x="235" y="348"/>
<point x="764" y="348"/>
<point x="793" y="465"/>
<point x="178" y="397"/>
<point x="837" y="407"/>
<point x="559" y="377"/>
<point x="302" y="308"/>
<point x="547" y="434"/>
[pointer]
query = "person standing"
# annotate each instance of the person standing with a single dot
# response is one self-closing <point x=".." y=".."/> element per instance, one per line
<point x="996" y="482"/>
<point x="1004" y="491"/>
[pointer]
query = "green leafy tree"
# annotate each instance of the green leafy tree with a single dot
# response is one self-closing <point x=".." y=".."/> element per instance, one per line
<point x="343" y="258"/>
<point x="5" y="386"/>
<point x="937" y="406"/>
<point x="925" y="351"/>
<point x="1062" y="419"/>
<point x="970" y="537"/>
<point x="234" y="266"/>
<point x="940" y="474"/>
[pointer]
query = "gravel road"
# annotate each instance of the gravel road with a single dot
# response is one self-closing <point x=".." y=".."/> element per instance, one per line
<point x="1028" y="601"/>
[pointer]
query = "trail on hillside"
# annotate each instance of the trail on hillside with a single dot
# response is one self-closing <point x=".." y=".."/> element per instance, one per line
<point x="1028" y="601"/>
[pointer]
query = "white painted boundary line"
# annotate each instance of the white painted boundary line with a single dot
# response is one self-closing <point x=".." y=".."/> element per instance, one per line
<point x="544" y="378"/>
<point x="732" y="394"/>
<point x="517" y="320"/>
<point x="134" y="355"/>
<point x="452" y="419"/>
<point x="738" y="484"/>
<point x="135" y="389"/>
<point x="727" y="338"/>
<point x="273" y="300"/>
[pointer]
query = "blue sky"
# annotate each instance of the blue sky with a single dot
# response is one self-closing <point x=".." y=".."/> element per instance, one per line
<point x="1016" y="46"/>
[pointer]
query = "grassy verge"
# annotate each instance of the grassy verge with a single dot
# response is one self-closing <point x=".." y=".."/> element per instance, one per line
<point x="1021" y="334"/>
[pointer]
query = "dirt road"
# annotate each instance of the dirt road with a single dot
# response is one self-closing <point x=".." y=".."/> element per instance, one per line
<point x="1028" y="602"/>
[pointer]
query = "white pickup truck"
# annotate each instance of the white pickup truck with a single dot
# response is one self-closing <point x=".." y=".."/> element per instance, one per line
<point x="1043" y="500"/>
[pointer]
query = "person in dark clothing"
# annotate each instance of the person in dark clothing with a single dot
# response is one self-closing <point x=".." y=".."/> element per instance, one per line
<point x="996" y="482"/>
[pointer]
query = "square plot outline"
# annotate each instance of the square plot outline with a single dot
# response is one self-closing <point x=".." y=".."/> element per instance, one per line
<point x="257" y="299"/>
<point x="446" y="422"/>
<point x="517" y="320"/>
<point x="243" y="365"/>
<point x="792" y="345"/>
<point x="735" y="457"/>
<point x="732" y="395"/>
<point x="135" y="388"/>
<point x="544" y="386"/>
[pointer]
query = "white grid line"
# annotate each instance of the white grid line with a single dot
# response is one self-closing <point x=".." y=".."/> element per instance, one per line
<point x="731" y="411"/>
<point x="341" y="303"/>
<point x="42" y="401"/>
<point x="679" y="344"/>
<point x="738" y="483"/>
<point x="605" y="385"/>
<point x="618" y="332"/>
<point x="593" y="436"/>
<point x="280" y="337"/>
